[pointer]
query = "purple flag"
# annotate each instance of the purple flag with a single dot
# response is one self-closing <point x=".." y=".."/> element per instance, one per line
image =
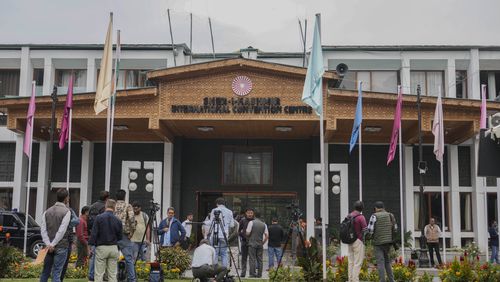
<point x="395" y="128"/>
<point x="482" y="123"/>
<point x="65" y="121"/>
<point x="28" y="135"/>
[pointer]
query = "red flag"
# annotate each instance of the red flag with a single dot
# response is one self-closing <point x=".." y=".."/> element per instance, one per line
<point x="395" y="128"/>
<point x="28" y="135"/>
<point x="66" y="118"/>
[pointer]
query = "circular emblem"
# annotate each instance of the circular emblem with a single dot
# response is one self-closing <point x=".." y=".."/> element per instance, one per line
<point x="242" y="85"/>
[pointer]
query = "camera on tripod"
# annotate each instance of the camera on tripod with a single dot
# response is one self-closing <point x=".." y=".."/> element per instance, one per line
<point x="217" y="214"/>
<point x="154" y="206"/>
<point x="296" y="213"/>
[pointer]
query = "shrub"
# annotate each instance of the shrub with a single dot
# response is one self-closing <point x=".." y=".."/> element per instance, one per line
<point x="457" y="271"/>
<point x="76" y="272"/>
<point x="8" y="257"/>
<point x="404" y="273"/>
<point x="142" y="270"/>
<point x="285" y="274"/>
<point x="311" y="264"/>
<point x="175" y="258"/>
<point x="425" y="278"/>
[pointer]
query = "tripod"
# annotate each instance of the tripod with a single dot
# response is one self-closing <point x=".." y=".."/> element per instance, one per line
<point x="153" y="226"/>
<point x="294" y="223"/>
<point x="218" y="225"/>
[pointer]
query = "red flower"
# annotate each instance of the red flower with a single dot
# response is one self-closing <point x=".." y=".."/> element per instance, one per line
<point x="465" y="253"/>
<point x="477" y="258"/>
<point x="461" y="258"/>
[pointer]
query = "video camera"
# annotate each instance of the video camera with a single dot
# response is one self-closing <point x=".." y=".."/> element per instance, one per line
<point x="296" y="213"/>
<point x="154" y="206"/>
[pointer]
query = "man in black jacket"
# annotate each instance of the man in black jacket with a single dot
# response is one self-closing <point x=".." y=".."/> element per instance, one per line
<point x="106" y="232"/>
<point x="276" y="234"/>
<point x="95" y="209"/>
<point x="249" y="216"/>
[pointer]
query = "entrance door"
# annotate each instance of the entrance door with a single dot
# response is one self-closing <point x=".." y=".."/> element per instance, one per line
<point x="268" y="205"/>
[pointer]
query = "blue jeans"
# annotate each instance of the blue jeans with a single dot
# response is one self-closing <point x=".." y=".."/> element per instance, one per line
<point x="127" y="248"/>
<point x="54" y="262"/>
<point x="142" y="252"/>
<point x="91" y="263"/>
<point x="494" y="254"/>
<point x="273" y="252"/>
<point x="221" y="250"/>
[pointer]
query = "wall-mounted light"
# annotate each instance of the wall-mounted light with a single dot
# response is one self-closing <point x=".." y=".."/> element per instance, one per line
<point x="283" y="128"/>
<point x="336" y="189"/>
<point x="336" y="179"/>
<point x="120" y="127"/>
<point x="317" y="190"/>
<point x="132" y="186"/>
<point x="149" y="176"/>
<point x="205" y="128"/>
<point x="149" y="187"/>
<point x="373" y="129"/>
<point x="317" y="178"/>
<point x="132" y="175"/>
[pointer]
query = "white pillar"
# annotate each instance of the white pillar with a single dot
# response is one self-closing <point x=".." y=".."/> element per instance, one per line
<point x="473" y="89"/>
<point x="48" y="76"/>
<point x="478" y="203"/>
<point x="405" y="75"/>
<point x="491" y="86"/>
<point x="86" y="173"/>
<point x="408" y="185"/>
<point x="168" y="161"/>
<point x="43" y="176"/>
<point x="450" y="88"/>
<point x="455" y="195"/>
<point x="26" y="73"/>
<point x="20" y="172"/>
<point x="91" y="74"/>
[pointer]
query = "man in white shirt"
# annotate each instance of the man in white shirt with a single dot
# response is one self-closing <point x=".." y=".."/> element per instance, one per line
<point x="188" y="226"/>
<point x="218" y="237"/>
<point x="204" y="264"/>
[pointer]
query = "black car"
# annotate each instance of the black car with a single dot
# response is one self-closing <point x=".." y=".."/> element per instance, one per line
<point x="13" y="222"/>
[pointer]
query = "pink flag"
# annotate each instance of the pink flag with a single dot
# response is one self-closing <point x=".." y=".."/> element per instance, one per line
<point x="482" y="123"/>
<point x="395" y="128"/>
<point x="438" y="130"/>
<point x="65" y="121"/>
<point x="28" y="135"/>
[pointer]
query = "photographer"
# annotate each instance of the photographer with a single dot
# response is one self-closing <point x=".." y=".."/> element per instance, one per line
<point x="218" y="237"/>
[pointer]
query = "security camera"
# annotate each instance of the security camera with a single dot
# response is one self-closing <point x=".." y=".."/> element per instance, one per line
<point x="495" y="126"/>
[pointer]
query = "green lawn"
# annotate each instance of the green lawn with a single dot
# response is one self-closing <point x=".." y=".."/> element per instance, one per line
<point x="85" y="280"/>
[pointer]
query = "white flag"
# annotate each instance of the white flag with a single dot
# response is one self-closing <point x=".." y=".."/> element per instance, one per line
<point x="105" y="82"/>
<point x="438" y="130"/>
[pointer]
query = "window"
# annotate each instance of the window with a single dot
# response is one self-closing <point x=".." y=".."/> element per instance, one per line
<point x="31" y="221"/>
<point x="63" y="77"/>
<point x="8" y="220"/>
<point x="491" y="181"/>
<point x="131" y="79"/>
<point x="465" y="211"/>
<point x="3" y="119"/>
<point x="9" y="83"/>
<point x="377" y="81"/>
<point x="461" y="83"/>
<point x="431" y="82"/>
<point x="493" y="76"/>
<point x="6" y="198"/>
<point x="247" y="166"/>
<point x="432" y="208"/>
<point x="38" y="78"/>
<point x="7" y="158"/>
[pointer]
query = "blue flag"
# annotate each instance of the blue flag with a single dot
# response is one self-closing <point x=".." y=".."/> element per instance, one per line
<point x="358" y="119"/>
<point x="312" y="93"/>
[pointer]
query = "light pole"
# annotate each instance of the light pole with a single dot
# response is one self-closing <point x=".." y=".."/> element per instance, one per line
<point x="52" y="130"/>
<point x="422" y="169"/>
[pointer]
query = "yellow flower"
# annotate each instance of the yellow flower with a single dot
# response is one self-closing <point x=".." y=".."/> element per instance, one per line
<point x="457" y="273"/>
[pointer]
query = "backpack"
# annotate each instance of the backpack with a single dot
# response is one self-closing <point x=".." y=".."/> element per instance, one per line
<point x="347" y="233"/>
<point x="95" y="210"/>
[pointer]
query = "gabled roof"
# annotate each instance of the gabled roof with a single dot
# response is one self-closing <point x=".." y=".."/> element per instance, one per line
<point x="231" y="64"/>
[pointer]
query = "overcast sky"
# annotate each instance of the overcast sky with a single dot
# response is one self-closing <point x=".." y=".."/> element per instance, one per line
<point x="270" y="25"/>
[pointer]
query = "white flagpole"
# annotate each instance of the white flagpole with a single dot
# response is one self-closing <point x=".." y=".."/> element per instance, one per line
<point x="324" y="187"/>
<point x="360" y="85"/>
<point x="69" y="147"/>
<point x="401" y="184"/>
<point x="113" y="98"/>
<point x="106" y="169"/>
<point x="28" y="186"/>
